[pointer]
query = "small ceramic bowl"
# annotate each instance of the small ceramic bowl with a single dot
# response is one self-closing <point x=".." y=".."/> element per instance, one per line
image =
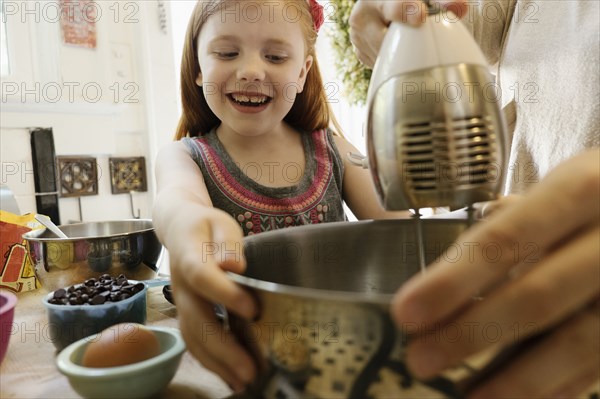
<point x="8" y="301"/>
<point x="69" y="323"/>
<point x="138" y="380"/>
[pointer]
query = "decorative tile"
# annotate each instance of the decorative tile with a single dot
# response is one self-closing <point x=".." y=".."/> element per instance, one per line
<point x="127" y="174"/>
<point x="78" y="176"/>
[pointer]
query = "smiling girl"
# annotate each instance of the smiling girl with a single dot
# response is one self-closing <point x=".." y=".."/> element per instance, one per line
<point x="254" y="152"/>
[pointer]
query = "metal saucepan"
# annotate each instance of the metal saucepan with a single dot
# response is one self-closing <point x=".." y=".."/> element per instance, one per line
<point x="128" y="247"/>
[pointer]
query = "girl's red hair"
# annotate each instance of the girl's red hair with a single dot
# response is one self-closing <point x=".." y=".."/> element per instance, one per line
<point x="310" y="110"/>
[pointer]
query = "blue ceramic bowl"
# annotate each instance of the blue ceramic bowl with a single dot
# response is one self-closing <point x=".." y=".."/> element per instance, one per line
<point x="70" y="323"/>
<point x="138" y="380"/>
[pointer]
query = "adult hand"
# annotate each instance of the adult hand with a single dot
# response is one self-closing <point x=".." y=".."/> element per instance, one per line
<point x="492" y="207"/>
<point x="203" y="247"/>
<point x="536" y="263"/>
<point x="370" y="18"/>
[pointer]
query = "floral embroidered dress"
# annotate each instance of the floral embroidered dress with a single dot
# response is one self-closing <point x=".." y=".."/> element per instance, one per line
<point x="316" y="198"/>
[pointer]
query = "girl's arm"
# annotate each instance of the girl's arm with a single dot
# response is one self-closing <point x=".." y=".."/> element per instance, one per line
<point x="203" y="242"/>
<point x="359" y="189"/>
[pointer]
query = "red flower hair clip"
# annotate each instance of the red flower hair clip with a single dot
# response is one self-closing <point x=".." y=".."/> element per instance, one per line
<point x="316" y="10"/>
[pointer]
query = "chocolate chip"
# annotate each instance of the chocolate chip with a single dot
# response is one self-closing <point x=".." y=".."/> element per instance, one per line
<point x="138" y="287"/>
<point x="121" y="280"/>
<point x="75" y="300"/>
<point x="92" y="291"/>
<point x="98" y="300"/>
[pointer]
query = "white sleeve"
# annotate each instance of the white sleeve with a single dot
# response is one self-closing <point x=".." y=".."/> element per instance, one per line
<point x="488" y="21"/>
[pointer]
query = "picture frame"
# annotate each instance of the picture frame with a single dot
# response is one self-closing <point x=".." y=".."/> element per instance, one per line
<point x="127" y="174"/>
<point x="78" y="176"/>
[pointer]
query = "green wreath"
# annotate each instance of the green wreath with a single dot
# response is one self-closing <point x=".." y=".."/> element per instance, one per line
<point x="354" y="75"/>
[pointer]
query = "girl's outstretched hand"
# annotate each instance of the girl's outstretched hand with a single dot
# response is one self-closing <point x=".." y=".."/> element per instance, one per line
<point x="536" y="263"/>
<point x="204" y="245"/>
<point x="370" y="18"/>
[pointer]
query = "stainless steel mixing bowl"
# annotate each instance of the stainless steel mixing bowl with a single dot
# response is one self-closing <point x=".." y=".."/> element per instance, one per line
<point x="324" y="329"/>
<point x="128" y="247"/>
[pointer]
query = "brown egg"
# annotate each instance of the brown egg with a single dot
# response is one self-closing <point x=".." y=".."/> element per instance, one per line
<point x="121" y="344"/>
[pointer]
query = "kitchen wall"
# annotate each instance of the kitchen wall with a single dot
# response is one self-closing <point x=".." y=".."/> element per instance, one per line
<point x="118" y="99"/>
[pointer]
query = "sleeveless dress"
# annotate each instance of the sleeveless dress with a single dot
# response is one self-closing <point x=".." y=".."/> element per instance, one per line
<point x="316" y="198"/>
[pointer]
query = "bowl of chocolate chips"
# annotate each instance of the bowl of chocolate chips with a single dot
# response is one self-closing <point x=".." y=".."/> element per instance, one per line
<point x="84" y="309"/>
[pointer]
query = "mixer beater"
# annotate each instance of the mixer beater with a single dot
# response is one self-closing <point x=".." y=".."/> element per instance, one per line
<point x="435" y="131"/>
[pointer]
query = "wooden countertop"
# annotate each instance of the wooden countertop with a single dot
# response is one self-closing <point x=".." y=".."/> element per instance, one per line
<point x="29" y="369"/>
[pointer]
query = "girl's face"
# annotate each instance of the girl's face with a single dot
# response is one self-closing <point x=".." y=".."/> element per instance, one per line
<point x="252" y="64"/>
